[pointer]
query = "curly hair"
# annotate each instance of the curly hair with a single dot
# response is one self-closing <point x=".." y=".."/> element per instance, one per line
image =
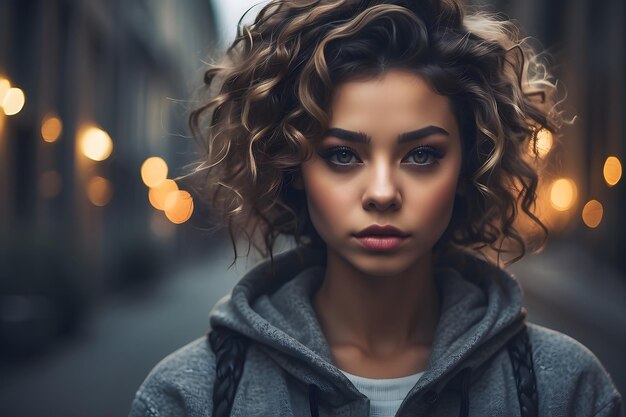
<point x="267" y="108"/>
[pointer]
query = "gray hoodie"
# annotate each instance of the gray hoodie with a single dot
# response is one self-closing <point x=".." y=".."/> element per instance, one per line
<point x="481" y="309"/>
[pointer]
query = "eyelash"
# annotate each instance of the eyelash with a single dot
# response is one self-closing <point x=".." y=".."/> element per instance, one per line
<point x="330" y="152"/>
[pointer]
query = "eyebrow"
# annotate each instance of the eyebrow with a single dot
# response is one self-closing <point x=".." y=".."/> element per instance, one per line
<point x="361" y="137"/>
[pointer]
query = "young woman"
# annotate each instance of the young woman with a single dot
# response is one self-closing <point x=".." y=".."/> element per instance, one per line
<point x="393" y="141"/>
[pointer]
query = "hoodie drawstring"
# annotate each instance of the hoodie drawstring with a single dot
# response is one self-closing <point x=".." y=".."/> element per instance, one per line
<point x="313" y="400"/>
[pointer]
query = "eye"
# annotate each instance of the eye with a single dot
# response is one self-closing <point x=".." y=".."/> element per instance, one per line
<point x="424" y="156"/>
<point x="340" y="155"/>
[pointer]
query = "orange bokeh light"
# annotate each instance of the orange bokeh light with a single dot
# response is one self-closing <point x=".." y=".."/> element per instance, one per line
<point x="95" y="143"/>
<point x="99" y="191"/>
<point x="612" y="170"/>
<point x="158" y="195"/>
<point x="153" y="171"/>
<point x="592" y="213"/>
<point x="179" y="206"/>
<point x="51" y="128"/>
<point x="563" y="194"/>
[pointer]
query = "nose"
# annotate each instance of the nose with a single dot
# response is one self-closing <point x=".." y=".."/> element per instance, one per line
<point x="382" y="192"/>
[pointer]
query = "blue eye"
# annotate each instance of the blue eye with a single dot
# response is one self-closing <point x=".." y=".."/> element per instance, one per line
<point x="340" y="156"/>
<point x="424" y="156"/>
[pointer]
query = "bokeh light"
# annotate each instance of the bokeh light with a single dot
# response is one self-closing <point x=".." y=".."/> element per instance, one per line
<point x="50" y="184"/>
<point x="99" y="191"/>
<point x="4" y="87"/>
<point x="13" y="101"/>
<point x="51" y="128"/>
<point x="95" y="143"/>
<point x="592" y="213"/>
<point x="544" y="142"/>
<point x="612" y="170"/>
<point x="563" y="194"/>
<point x="178" y="206"/>
<point x="153" y="171"/>
<point x="158" y="195"/>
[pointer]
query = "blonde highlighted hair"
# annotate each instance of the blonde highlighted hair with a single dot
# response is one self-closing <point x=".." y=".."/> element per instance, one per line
<point x="266" y="105"/>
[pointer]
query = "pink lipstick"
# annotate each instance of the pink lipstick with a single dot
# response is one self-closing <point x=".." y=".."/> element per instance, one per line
<point x="380" y="242"/>
<point x="381" y="238"/>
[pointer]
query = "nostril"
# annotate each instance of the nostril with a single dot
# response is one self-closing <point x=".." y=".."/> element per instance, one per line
<point x="373" y="203"/>
<point x="381" y="195"/>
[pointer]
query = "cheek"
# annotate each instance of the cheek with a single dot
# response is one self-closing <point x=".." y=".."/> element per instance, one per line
<point x="436" y="201"/>
<point x="327" y="198"/>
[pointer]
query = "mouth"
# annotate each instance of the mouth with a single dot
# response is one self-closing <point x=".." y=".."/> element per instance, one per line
<point x="381" y="238"/>
<point x="381" y="231"/>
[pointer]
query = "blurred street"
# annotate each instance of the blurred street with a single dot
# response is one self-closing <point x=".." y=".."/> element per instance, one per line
<point x="98" y="373"/>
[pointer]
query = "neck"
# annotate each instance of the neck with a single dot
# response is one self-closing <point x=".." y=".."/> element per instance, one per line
<point x="380" y="315"/>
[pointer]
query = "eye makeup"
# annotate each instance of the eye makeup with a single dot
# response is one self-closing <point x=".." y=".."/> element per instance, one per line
<point x="345" y="157"/>
<point x="339" y="152"/>
<point x="427" y="151"/>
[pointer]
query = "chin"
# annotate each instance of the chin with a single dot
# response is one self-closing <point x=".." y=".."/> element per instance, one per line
<point x="382" y="265"/>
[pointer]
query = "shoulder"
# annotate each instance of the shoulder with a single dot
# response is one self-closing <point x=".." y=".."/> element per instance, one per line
<point x="570" y="378"/>
<point x="181" y="384"/>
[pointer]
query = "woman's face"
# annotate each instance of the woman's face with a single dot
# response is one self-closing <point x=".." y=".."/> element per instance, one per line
<point x="391" y="157"/>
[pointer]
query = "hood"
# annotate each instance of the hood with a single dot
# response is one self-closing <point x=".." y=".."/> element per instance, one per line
<point x="481" y="310"/>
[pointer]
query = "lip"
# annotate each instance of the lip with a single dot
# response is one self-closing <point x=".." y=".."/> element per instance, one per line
<point x="381" y="238"/>
<point x="380" y="243"/>
<point x="381" y="231"/>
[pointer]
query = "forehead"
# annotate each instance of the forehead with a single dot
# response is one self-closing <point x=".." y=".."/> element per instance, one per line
<point x="398" y="101"/>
